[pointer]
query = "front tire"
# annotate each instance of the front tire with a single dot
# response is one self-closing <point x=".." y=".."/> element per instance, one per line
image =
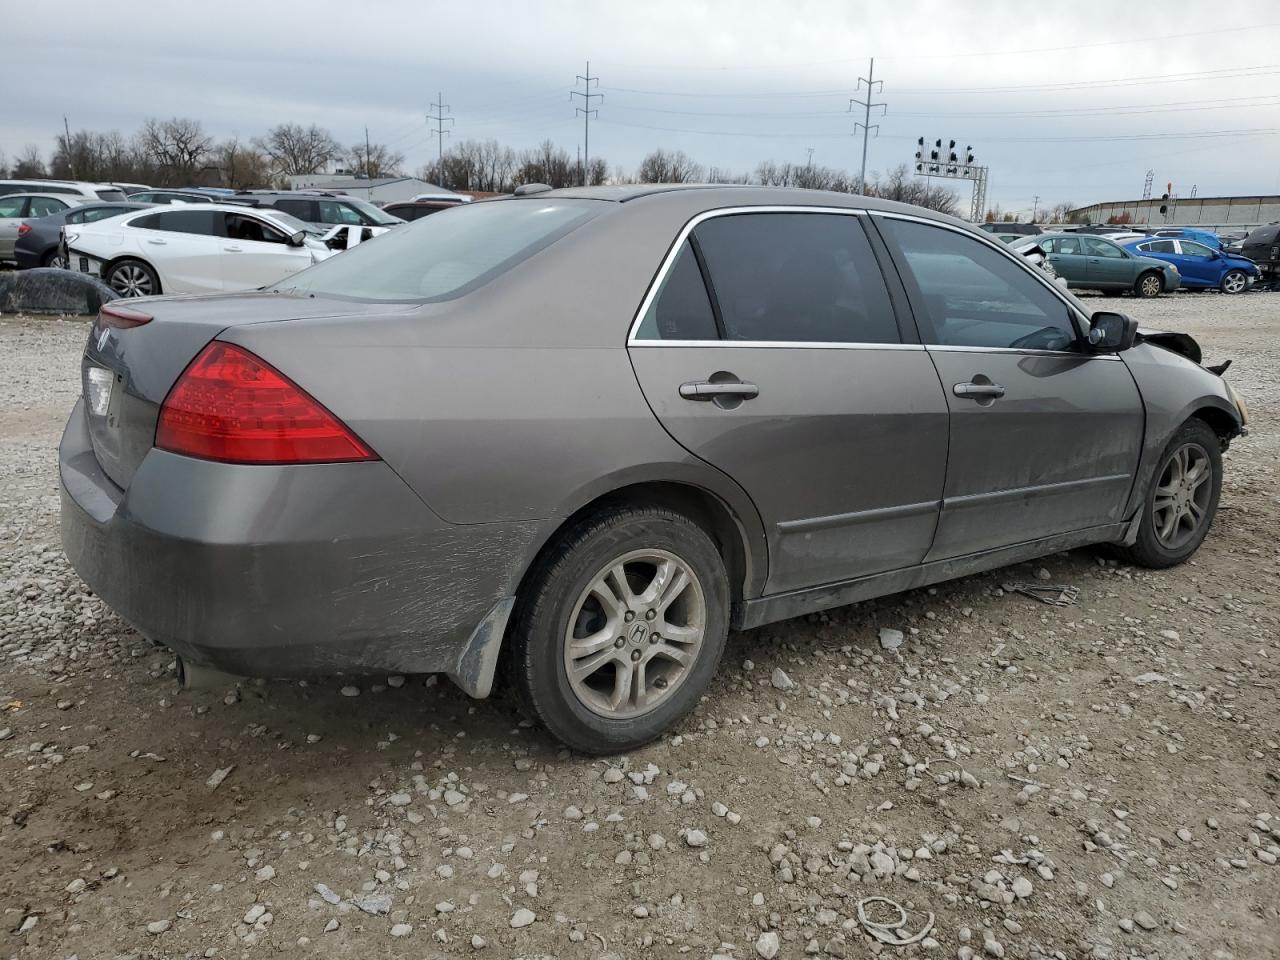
<point x="1149" y="285"/>
<point x="132" y="278"/>
<point x="1182" y="498"/>
<point x="1235" y="281"/>
<point x="619" y="629"/>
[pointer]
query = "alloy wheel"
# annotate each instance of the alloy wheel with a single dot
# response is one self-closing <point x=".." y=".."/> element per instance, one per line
<point x="635" y="633"/>
<point x="131" y="280"/>
<point x="57" y="262"/>
<point x="1234" y="282"/>
<point x="1151" y="286"/>
<point x="1181" y="503"/>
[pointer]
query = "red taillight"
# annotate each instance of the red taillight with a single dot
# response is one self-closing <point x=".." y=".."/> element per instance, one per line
<point x="231" y="406"/>
<point x="121" y="318"/>
<point x="23" y="229"/>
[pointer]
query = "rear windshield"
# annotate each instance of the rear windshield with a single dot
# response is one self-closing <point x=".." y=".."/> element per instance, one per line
<point x="110" y="193"/>
<point x="446" y="255"/>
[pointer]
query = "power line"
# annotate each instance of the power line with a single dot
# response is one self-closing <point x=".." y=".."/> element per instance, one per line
<point x="1226" y="73"/>
<point x="867" y="127"/>
<point x="587" y="113"/>
<point x="440" y="118"/>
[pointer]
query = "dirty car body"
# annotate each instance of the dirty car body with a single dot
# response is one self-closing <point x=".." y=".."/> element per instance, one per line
<point x="570" y="357"/>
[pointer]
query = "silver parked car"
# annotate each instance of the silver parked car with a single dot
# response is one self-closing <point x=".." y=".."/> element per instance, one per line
<point x="575" y="437"/>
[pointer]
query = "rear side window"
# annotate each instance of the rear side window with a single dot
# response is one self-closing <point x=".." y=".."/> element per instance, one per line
<point x="796" y="277"/>
<point x="976" y="296"/>
<point x="100" y="213"/>
<point x="302" y="209"/>
<point x="43" y="206"/>
<point x="110" y="193"/>
<point x="446" y="256"/>
<point x="682" y="309"/>
<point x="202" y="222"/>
<point x="12" y="208"/>
<point x="1159" y="246"/>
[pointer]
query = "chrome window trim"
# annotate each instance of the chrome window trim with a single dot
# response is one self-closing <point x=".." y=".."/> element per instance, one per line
<point x="1022" y="263"/>
<point x="1022" y="351"/>
<point x="660" y="277"/>
<point x="778" y="344"/>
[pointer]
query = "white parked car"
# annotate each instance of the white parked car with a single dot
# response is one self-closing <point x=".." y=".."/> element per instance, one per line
<point x="89" y="192"/>
<point x="16" y="207"/>
<point x="203" y="248"/>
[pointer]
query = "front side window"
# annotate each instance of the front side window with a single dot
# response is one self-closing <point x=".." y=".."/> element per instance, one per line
<point x="443" y="257"/>
<point x="796" y="277"/>
<point x="976" y="296"/>
<point x="43" y="206"/>
<point x="331" y="212"/>
<point x="110" y="193"/>
<point x="1101" y="248"/>
<point x="302" y="209"/>
<point x="240" y="227"/>
<point x="1192" y="249"/>
<point x="682" y="309"/>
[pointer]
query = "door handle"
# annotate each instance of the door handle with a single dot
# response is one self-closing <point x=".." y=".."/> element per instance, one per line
<point x="978" y="391"/>
<point x="158" y="243"/>
<point x="234" y="249"/>
<point x="710" y="390"/>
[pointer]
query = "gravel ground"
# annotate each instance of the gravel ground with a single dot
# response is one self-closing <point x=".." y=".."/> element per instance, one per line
<point x="1101" y="780"/>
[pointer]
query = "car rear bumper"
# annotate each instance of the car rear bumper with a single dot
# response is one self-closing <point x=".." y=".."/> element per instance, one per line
<point x="290" y="571"/>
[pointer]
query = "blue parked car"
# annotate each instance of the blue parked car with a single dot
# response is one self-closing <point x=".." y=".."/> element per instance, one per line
<point x="1200" y="266"/>
<point x="1206" y="237"/>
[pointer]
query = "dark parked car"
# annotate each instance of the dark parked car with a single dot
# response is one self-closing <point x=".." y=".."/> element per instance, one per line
<point x="322" y="211"/>
<point x="39" y="240"/>
<point x="579" y="435"/>
<point x="1021" y="229"/>
<point x="1262" y="246"/>
<point x="417" y="209"/>
<point x="1093" y="262"/>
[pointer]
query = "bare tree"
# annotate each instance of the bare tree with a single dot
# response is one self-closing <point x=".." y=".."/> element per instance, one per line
<point x="4" y="165"/>
<point x="549" y="164"/>
<point x="295" y="150"/>
<point x="902" y="186"/>
<point x="670" y="166"/>
<point x="474" y="165"/>
<point x="718" y="175"/>
<point x="375" y="160"/>
<point x="242" y="166"/>
<point x="1060" y="212"/>
<point x="597" y="172"/>
<point x="29" y="164"/>
<point x="178" y="147"/>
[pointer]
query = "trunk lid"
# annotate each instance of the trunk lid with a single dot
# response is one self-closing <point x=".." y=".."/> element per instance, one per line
<point x="125" y="374"/>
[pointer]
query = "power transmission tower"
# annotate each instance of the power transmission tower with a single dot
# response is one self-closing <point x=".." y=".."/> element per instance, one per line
<point x="70" y="161"/>
<point x="440" y="118"/>
<point x="587" y="113"/>
<point x="1035" y="206"/>
<point x="873" y="87"/>
<point x="1146" y="185"/>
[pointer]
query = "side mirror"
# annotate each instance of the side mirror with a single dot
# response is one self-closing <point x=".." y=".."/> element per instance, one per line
<point x="297" y="239"/>
<point x="1111" y="332"/>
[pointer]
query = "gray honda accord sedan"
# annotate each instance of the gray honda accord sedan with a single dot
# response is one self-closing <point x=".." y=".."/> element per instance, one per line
<point x="568" y="440"/>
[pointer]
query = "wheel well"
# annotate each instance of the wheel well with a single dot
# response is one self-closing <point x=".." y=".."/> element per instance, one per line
<point x="1220" y="422"/>
<point x="701" y="506"/>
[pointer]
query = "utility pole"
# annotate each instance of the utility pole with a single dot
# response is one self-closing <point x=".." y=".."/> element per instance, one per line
<point x="810" y="164"/>
<point x="587" y="113"/>
<point x="873" y="86"/>
<point x="440" y="118"/>
<point x="1035" y="205"/>
<point x="366" y="153"/>
<point x="70" y="160"/>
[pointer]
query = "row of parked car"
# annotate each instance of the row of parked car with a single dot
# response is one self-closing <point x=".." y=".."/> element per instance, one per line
<point x="1118" y="259"/>
<point x="144" y="241"/>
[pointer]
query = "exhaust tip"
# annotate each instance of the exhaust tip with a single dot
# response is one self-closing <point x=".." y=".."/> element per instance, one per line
<point x="192" y="676"/>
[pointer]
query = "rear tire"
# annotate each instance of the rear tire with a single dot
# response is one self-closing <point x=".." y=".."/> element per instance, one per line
<point x="53" y="260"/>
<point x="1235" y="281"/>
<point x="1148" y="285"/>
<point x="619" y="629"/>
<point x="132" y="278"/>
<point x="1181" y="500"/>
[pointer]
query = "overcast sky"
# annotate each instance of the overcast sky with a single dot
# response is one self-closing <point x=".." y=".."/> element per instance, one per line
<point x="1068" y="101"/>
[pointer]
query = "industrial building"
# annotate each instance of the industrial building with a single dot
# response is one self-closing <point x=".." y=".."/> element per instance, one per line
<point x="1237" y="213"/>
